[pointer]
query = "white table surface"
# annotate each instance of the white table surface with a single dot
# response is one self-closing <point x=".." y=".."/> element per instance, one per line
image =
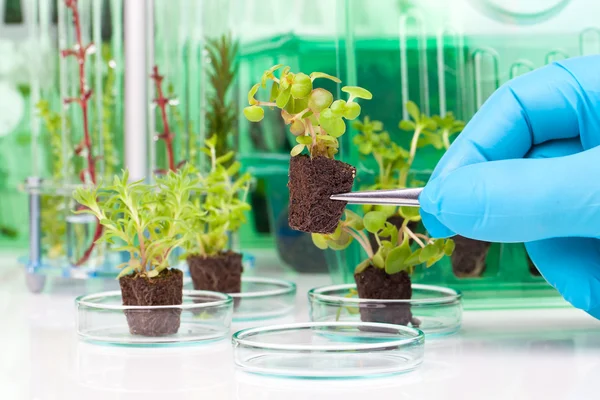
<point x="526" y="354"/>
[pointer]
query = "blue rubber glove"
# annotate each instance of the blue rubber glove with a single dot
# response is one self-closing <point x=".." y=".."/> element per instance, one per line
<point x="527" y="169"/>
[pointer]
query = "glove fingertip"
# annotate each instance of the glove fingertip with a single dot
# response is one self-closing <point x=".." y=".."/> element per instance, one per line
<point x="435" y="228"/>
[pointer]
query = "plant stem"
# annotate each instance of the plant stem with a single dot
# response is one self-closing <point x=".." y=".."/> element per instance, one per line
<point x="446" y="138"/>
<point x="311" y="129"/>
<point x="411" y="157"/>
<point x="414" y="237"/>
<point x="266" y="103"/>
<point x="80" y="52"/>
<point x="365" y="244"/>
<point x="162" y="102"/>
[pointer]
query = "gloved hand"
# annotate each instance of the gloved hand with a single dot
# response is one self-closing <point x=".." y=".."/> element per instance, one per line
<point x="526" y="168"/>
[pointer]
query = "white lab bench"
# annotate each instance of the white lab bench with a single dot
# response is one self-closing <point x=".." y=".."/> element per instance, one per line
<point x="524" y="354"/>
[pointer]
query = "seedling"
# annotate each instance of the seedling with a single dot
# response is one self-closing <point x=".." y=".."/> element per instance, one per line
<point x="317" y="121"/>
<point x="313" y="116"/>
<point x="385" y="272"/>
<point x="219" y="211"/>
<point x="148" y="220"/>
<point x="222" y="115"/>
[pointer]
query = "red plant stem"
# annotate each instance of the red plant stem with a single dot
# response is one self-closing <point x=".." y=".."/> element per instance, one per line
<point x="162" y="102"/>
<point x="79" y="52"/>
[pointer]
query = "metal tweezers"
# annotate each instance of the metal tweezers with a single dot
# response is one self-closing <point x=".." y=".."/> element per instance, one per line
<point x="395" y="197"/>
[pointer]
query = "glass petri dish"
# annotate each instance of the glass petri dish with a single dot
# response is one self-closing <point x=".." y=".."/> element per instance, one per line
<point x="202" y="317"/>
<point x="262" y="298"/>
<point x="437" y="311"/>
<point x="329" y="350"/>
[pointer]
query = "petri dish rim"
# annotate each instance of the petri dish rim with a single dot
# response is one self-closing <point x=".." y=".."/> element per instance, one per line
<point x="221" y="299"/>
<point x="287" y="287"/>
<point x="239" y="338"/>
<point x="448" y="297"/>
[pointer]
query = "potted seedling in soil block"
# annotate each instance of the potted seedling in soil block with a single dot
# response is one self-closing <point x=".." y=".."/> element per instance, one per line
<point x="317" y="121"/>
<point x="219" y="210"/>
<point x="147" y="219"/>
<point x="468" y="259"/>
<point x="385" y="273"/>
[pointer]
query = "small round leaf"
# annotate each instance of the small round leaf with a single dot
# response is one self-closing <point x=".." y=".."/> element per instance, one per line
<point x="334" y="126"/>
<point x="407" y="125"/>
<point x="320" y="241"/>
<point x="413" y="110"/>
<point x="359" y="92"/>
<point x="449" y="247"/>
<point x="297" y="149"/>
<point x="338" y="108"/>
<point x="301" y="86"/>
<point x="374" y="221"/>
<point x="254" y="113"/>
<point x="305" y="140"/>
<point x="297" y="128"/>
<point x="352" y="111"/>
<point x="319" y="100"/>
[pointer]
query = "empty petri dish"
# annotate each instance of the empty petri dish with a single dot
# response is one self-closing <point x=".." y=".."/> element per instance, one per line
<point x="329" y="350"/>
<point x="435" y="310"/>
<point x="202" y="317"/>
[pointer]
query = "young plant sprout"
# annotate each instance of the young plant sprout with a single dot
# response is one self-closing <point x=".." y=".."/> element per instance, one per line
<point x="317" y="121"/>
<point x="148" y="220"/>
<point x="385" y="272"/>
<point x="219" y="210"/>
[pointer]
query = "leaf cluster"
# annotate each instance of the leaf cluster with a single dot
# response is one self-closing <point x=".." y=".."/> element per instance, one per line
<point x="147" y="220"/>
<point x="394" y="162"/>
<point x="221" y="115"/>
<point x="399" y="248"/>
<point x="314" y="117"/>
<point x="220" y="204"/>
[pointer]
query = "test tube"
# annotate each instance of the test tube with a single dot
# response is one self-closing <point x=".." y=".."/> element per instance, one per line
<point x="459" y="71"/>
<point x="98" y="89"/>
<point x="520" y="67"/>
<point x="556" y="55"/>
<point x="479" y="56"/>
<point x="415" y="17"/>
<point x="586" y="36"/>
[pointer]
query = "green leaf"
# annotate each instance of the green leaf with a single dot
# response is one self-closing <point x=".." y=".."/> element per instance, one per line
<point x="306" y="140"/>
<point x="319" y="100"/>
<point x="355" y="91"/>
<point x="342" y="242"/>
<point x="294" y="106"/>
<point x="251" y="100"/>
<point x="428" y="252"/>
<point x="334" y="126"/>
<point x="352" y="111"/>
<point x="274" y="91"/>
<point x="362" y="266"/>
<point x="378" y="261"/>
<point x="326" y="138"/>
<point x="283" y="98"/>
<point x="297" y="128"/>
<point x="353" y="220"/>
<point x="413" y="259"/>
<point x="387" y="210"/>
<point x="407" y="125"/>
<point x="413" y="111"/>
<point x="301" y="86"/>
<point x="297" y="149"/>
<point x="394" y="262"/>
<point x="338" y="108"/>
<point x="410" y="213"/>
<point x="269" y="73"/>
<point x="316" y="75"/>
<point x="449" y="247"/>
<point x="320" y="241"/>
<point x="365" y="148"/>
<point x="254" y="113"/>
<point x="126" y="271"/>
<point x="374" y="221"/>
